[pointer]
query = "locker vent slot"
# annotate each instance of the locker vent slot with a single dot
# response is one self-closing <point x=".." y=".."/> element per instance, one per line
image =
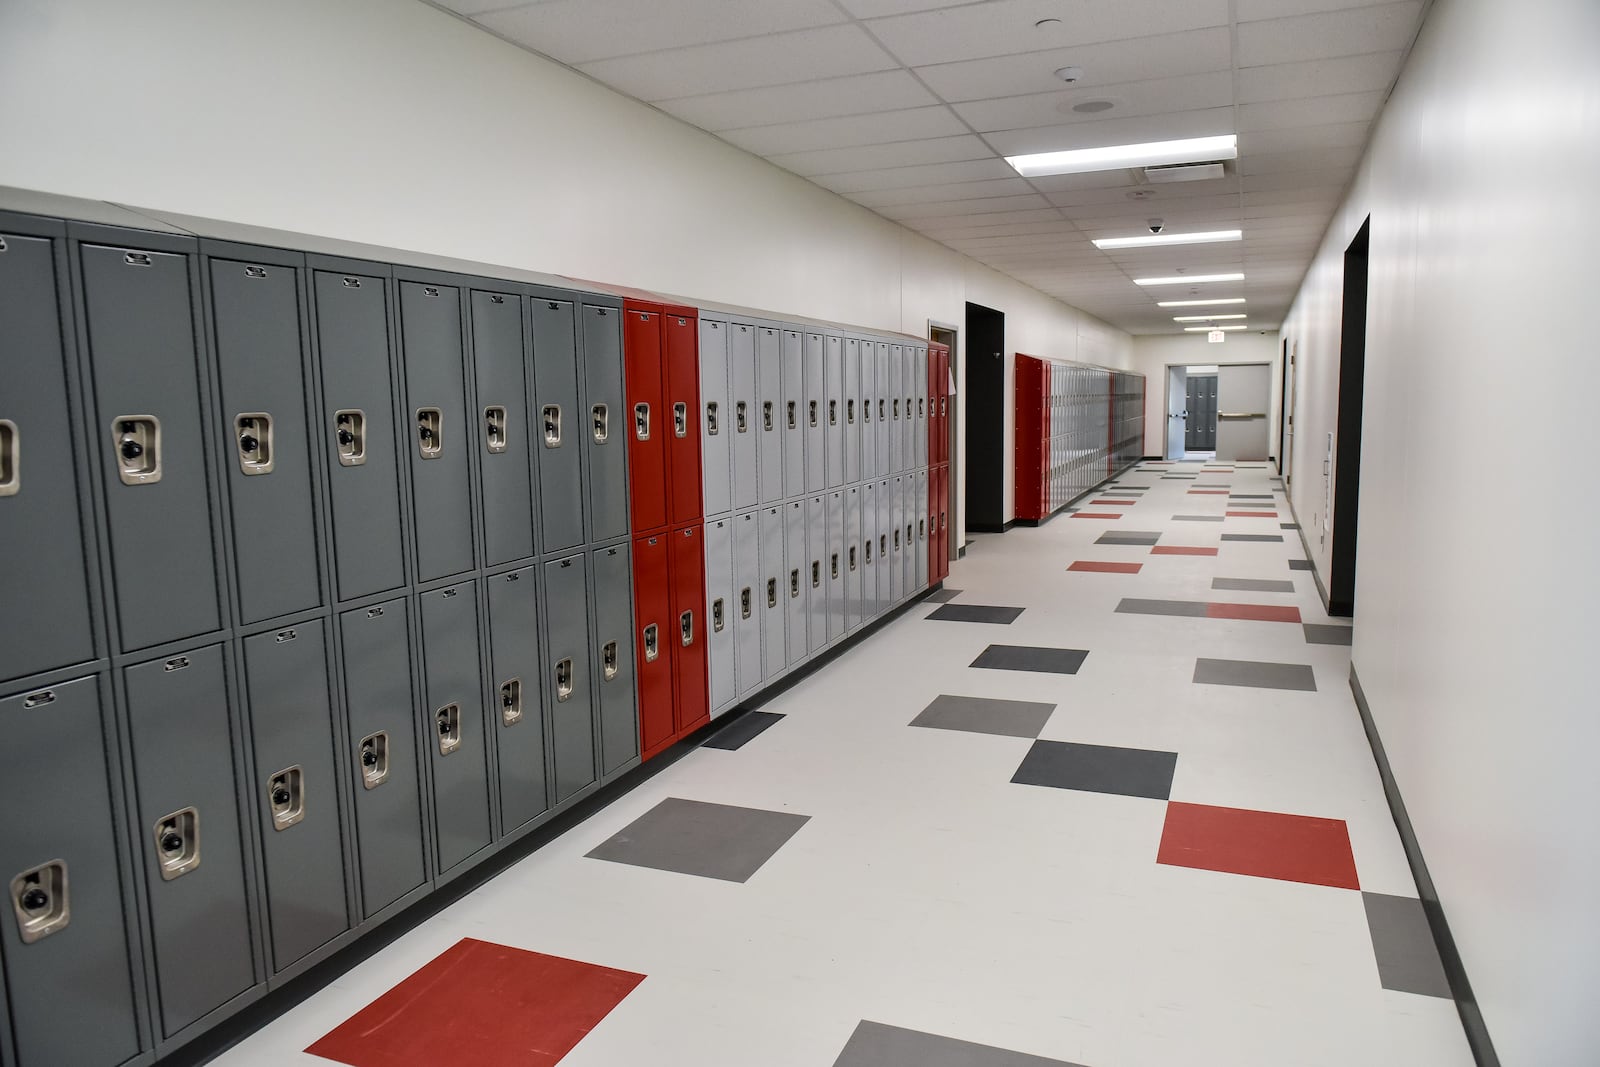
<point x="177" y="841"/>
<point x="564" y="680"/>
<point x="494" y="428"/>
<point x="680" y="419"/>
<point x="641" y="421"/>
<point x="137" y="443"/>
<point x="252" y="431"/>
<point x="39" y="897"/>
<point x="652" y="643"/>
<point x="608" y="661"/>
<point x="713" y="423"/>
<point x="447" y="721"/>
<point x="744" y="602"/>
<point x="286" y="797"/>
<point x="717" y="620"/>
<point x="373" y="753"/>
<point x="550" y="415"/>
<point x="511" y="702"/>
<point x="10" y="452"/>
<point x="350" y="432"/>
<point x="430" y="432"/>
<point x="686" y="628"/>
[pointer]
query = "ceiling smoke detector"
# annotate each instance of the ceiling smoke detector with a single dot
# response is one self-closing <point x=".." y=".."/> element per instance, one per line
<point x="1069" y="74"/>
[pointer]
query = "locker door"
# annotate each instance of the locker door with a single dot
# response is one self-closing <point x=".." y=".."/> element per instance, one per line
<point x="853" y="561"/>
<point x="772" y="595"/>
<point x="383" y="740"/>
<point x="721" y="605"/>
<point x="837" y="565"/>
<point x="653" y="634"/>
<point x="919" y="386"/>
<point x="796" y="591"/>
<point x="919" y="505"/>
<point x="517" y="679"/>
<point x="816" y="575"/>
<point x="852" y="410"/>
<point x="943" y="509"/>
<point x="567" y="675"/>
<point x="559" y="427"/>
<point x="882" y="412"/>
<point x="158" y="508"/>
<point x="871" y="389"/>
<point x="611" y="578"/>
<point x="833" y="360"/>
<point x="453" y="708"/>
<point x="815" y="415"/>
<point x="747" y="602"/>
<point x="939" y="391"/>
<point x="436" y="392"/>
<point x="793" y="415"/>
<point x="870" y="557"/>
<point x="688" y="574"/>
<point x="68" y="962"/>
<point x="188" y="813"/>
<point x="256" y="322"/>
<point x="608" y="424"/>
<point x="908" y="532"/>
<point x="908" y="407"/>
<point x="682" y="362"/>
<point x="716" y="417"/>
<point x="647" y="421"/>
<point x="501" y="418"/>
<point x="768" y="416"/>
<point x="891" y="513"/>
<point x="295" y="790"/>
<point x="745" y="419"/>
<point x="39" y="488"/>
<point x="896" y="369"/>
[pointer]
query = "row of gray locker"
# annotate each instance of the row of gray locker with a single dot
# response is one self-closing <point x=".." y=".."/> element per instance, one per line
<point x="264" y="838"/>
<point x="792" y="410"/>
<point x="785" y="582"/>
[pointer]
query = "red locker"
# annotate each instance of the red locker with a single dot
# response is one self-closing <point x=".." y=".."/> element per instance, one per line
<point x="647" y="423"/>
<point x="680" y="345"/>
<point x="689" y="615"/>
<point x="655" y="630"/>
<point x="945" y="414"/>
<point x="1031" y="459"/>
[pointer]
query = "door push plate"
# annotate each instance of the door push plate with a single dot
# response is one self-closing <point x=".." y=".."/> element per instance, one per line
<point x="741" y="417"/>
<point x="286" y="797"/>
<point x="608" y="661"/>
<point x="564" y="680"/>
<point x="494" y="429"/>
<point x="652" y="643"/>
<point x="10" y="457"/>
<point x="811" y="412"/>
<point x="686" y="628"/>
<point x="252" y="432"/>
<point x="680" y="419"/>
<point x="177" y="840"/>
<point x="39" y="898"/>
<point x="641" y="421"/>
<point x="350" y="435"/>
<point x="137" y="443"/>
<point x="744" y="602"/>
<point x="430" y="427"/>
<point x="550" y="417"/>
<point x="717" y="620"/>
<point x="816" y="574"/>
<point x="511" y="702"/>
<point x="794" y="583"/>
<point x="447" y="722"/>
<point x="373" y="754"/>
<point x="713" y="420"/>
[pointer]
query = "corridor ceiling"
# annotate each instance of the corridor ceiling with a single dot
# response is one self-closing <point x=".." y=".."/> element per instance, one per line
<point x="908" y="107"/>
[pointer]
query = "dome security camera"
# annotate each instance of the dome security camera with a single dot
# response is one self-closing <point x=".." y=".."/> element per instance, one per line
<point x="1157" y="225"/>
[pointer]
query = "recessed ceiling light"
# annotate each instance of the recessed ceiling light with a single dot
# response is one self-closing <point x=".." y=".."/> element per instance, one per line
<point x="1119" y="157"/>
<point x="1090" y="107"/>
<point x="1169" y="239"/>
<point x="1204" y="318"/>
<point x="1187" y="279"/>
<point x="1199" y="303"/>
<point x="1208" y="329"/>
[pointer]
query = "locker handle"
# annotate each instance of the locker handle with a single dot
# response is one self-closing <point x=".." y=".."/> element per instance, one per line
<point x="652" y="643"/>
<point x="511" y="702"/>
<point x="883" y="543"/>
<point x="852" y="557"/>
<point x="813" y="412"/>
<point x="641" y="421"/>
<point x="867" y="557"/>
<point x="793" y="423"/>
<point x="816" y="574"/>
<point x="373" y="752"/>
<point x="177" y="840"/>
<point x="10" y="454"/>
<point x="897" y="539"/>
<point x="794" y="583"/>
<point x="766" y="416"/>
<point x="713" y="423"/>
<point x="919" y="408"/>
<point x="286" y="797"/>
<point x="716" y="616"/>
<point x="835" y="566"/>
<point x="350" y="436"/>
<point x="850" y="411"/>
<point x="430" y="432"/>
<point x="550" y="415"/>
<point x="447" y="721"/>
<point x="833" y="413"/>
<point x="772" y="592"/>
<point x="136" y="440"/>
<point x="686" y="628"/>
<point x="744" y="602"/>
<point x="883" y="410"/>
<point x="494" y="429"/>
<point x="252" y="432"/>
<point x="741" y="417"/>
<point x="680" y="419"/>
<point x="866" y="411"/>
<point x="564" y="680"/>
<point x="608" y="661"/>
<point x="39" y="897"/>
<point x="896" y="409"/>
<point x="600" y="423"/>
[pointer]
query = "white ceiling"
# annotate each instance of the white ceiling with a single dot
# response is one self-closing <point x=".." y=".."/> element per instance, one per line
<point x="907" y="106"/>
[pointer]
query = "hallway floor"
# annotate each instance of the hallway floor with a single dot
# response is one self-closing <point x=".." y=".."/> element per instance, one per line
<point x="1109" y="805"/>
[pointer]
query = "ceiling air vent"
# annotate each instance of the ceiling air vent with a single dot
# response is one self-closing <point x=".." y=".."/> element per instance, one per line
<point x="1184" y="172"/>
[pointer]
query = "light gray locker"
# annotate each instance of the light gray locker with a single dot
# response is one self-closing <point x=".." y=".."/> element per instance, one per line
<point x="716" y="427"/>
<point x="453" y="711"/>
<point x="746" y="422"/>
<point x="189" y="834"/>
<point x="837" y="565"/>
<point x="516" y="681"/>
<point x="816" y="576"/>
<point x="611" y="579"/>
<point x="833" y="360"/>
<point x="559" y="427"/>
<point x="383" y="740"/>
<point x="569" y="703"/>
<point x="747" y="602"/>
<point x="38" y="482"/>
<point x="853" y="557"/>
<point x="924" y="532"/>
<point x="773" y="594"/>
<point x="871" y="555"/>
<point x="852" y="410"/>
<point x="501" y="418"/>
<point x="871" y="386"/>
<point x="815" y="415"/>
<point x="68" y="965"/>
<point x="266" y="454"/>
<point x="146" y="382"/>
<point x="606" y="437"/>
<point x="897" y="433"/>
<point x="919" y="390"/>
<point x="295" y="791"/>
<point x="900" y="546"/>
<point x="768" y="414"/>
<point x="796" y="588"/>
<point x="883" y="409"/>
<point x="721" y="604"/>
<point x="436" y="390"/>
<point x="358" y="419"/>
<point x="793" y="415"/>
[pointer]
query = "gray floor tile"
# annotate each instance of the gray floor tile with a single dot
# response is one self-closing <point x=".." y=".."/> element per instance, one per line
<point x="1031" y="658"/>
<point x="1194" y="609"/>
<point x="1249" y="496"/>
<point x="1300" y="564"/>
<point x="1129" y="537"/>
<point x="1179" y="477"/>
<point x="1255" y="675"/>
<point x="879" y="1045"/>
<point x="1408" y="959"/>
<point x="943" y="596"/>
<point x="1288" y="526"/>
<point x="708" y="840"/>
<point x="1197" y="518"/>
<point x="1253" y="585"/>
<point x="1319" y="633"/>
<point x="1128" y="772"/>
<point x="1252" y="537"/>
<point x="976" y="613"/>
<point x="985" y="715"/>
<point x="741" y="730"/>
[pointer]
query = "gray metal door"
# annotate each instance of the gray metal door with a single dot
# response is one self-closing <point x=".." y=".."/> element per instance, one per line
<point x="607" y="449"/>
<point x="189" y="835"/>
<point x="891" y="517"/>
<point x="1244" y="397"/>
<point x="834" y="417"/>
<point x="815" y="576"/>
<point x="919" y="390"/>
<point x="773" y="594"/>
<point x="815" y="415"/>
<point x="872" y="385"/>
<point x="721" y="604"/>
<point x="852" y="410"/>
<point x="837" y="565"/>
<point x="871" y="557"/>
<point x="796" y="590"/>
<point x="612" y="581"/>
<point x="745" y="421"/>
<point x="559" y="427"/>
<point x="502" y="428"/>
<point x="358" y="419"/>
<point x="158" y="508"/>
<point x="747" y="602"/>
<point x="453" y="711"/>
<point x="1200" y="428"/>
<point x="430" y="334"/>
<point x="924" y="532"/>
<point x="383" y="753"/>
<point x="569" y="702"/>
<point x="793" y="415"/>
<point x="39" y="487"/>
<point x="896" y="393"/>
<point x="266" y="451"/>
<point x="716" y="424"/>
<point x="515" y="711"/>
<point x="67" y="961"/>
<point x="769" y="417"/>
<point x="853" y="557"/>
<point x="295" y="791"/>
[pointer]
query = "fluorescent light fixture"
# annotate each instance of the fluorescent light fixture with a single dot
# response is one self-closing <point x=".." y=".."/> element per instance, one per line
<point x="1118" y="157"/>
<point x="1190" y="279"/>
<point x="1204" y="318"/>
<point x="1199" y="303"/>
<point x="1208" y="329"/>
<point x="1169" y="239"/>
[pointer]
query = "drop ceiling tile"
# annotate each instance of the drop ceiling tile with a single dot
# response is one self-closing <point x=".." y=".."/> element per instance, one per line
<point x="897" y="154"/>
<point x="1311" y="111"/>
<point x="958" y="229"/>
<point x="929" y="194"/>
<point x="1257" y="143"/>
<point x="475" y="7"/>
<point x="1374" y="72"/>
<point x="1253" y="10"/>
<point x="855" y="94"/>
<point x="871" y="9"/>
<point x="992" y="218"/>
<point x="1304" y="194"/>
<point x="983" y="206"/>
<point x="1153" y="96"/>
<point x="802" y="55"/>
<point x="1170" y="211"/>
<point x="848" y="131"/>
<point x="1209" y="122"/>
<point x="1384" y="28"/>
<point x="971" y="170"/>
<point x="1167" y="194"/>
<point x="1330" y="159"/>
<point x="1294" y="179"/>
<point x="1314" y="211"/>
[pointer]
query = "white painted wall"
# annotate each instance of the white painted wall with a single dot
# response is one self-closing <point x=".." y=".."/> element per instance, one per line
<point x="1154" y="353"/>
<point x="390" y="122"/>
<point x="1477" y="582"/>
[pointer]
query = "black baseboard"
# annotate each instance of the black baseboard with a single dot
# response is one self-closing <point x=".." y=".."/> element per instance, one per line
<point x="983" y="527"/>
<point x="1466" y="1004"/>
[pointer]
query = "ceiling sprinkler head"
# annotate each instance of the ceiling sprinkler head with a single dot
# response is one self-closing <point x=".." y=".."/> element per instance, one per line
<point x="1070" y="75"/>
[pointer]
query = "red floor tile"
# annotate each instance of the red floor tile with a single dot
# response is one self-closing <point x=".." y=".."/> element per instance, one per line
<point x="1252" y="514"/>
<point x="483" y="1004"/>
<point x="1182" y="550"/>
<point x="1094" y="515"/>
<point x="1124" y="503"/>
<point x="1257" y="612"/>
<point x="1262" y="844"/>
<point x="1107" y="568"/>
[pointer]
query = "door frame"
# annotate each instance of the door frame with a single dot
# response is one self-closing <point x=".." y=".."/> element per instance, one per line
<point x="947" y="334"/>
<point x="1166" y="380"/>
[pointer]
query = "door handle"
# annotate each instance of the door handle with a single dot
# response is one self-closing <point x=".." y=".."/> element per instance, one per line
<point x="716" y="616"/>
<point x="39" y="897"/>
<point x="564" y="680"/>
<point x="177" y="841"/>
<point x="373" y="753"/>
<point x="551" y="416"/>
<point x="741" y="417"/>
<point x="511" y="702"/>
<point x="430" y="428"/>
<point x="641" y="421"/>
<point x="686" y="628"/>
<point x="447" y="721"/>
<point x="713" y="421"/>
<point x="812" y="406"/>
<point x="136" y="444"/>
<point x="494" y="428"/>
<point x="608" y="661"/>
<point x="286" y="797"/>
<point x="652" y="643"/>
<point x="10" y="457"/>
<point x="252" y="432"/>
<point x="680" y="419"/>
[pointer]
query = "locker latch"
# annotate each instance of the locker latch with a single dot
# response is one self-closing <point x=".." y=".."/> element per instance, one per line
<point x="850" y="411"/>
<point x="600" y="420"/>
<point x="430" y="427"/>
<point x="286" y="797"/>
<point x="686" y="628"/>
<point x="920" y="415"/>
<point x="941" y="520"/>
<point x="816" y="574"/>
<point x="350" y="434"/>
<point x="793" y="414"/>
<point x="812" y="406"/>
<point x="897" y="539"/>
<point x="741" y="417"/>
<point x="794" y="583"/>
<point x="40" y="899"/>
<point x="867" y="558"/>
<point x="716" y="615"/>
<point x="713" y="422"/>
<point x="866" y="411"/>
<point x="447" y="722"/>
<point x="766" y="416"/>
<point x="680" y="419"/>
<point x="883" y="410"/>
<point x="652" y="643"/>
<point x="641" y="421"/>
<point x="908" y="534"/>
<point x="772" y="592"/>
<point x="374" y="756"/>
<point x="177" y="839"/>
<point x="608" y="661"/>
<point x="137" y="440"/>
<point x="852" y="557"/>
<point x="833" y="413"/>
<point x="511" y="702"/>
<point x="835" y="566"/>
<point x="896" y="409"/>
<point x="744" y="602"/>
<point x="943" y="401"/>
<point x="252" y="431"/>
<point x="494" y="428"/>
<point x="10" y="450"/>
<point x="883" y="543"/>
<point x="550" y="415"/>
<point x="908" y="408"/>
<point x="564" y="680"/>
